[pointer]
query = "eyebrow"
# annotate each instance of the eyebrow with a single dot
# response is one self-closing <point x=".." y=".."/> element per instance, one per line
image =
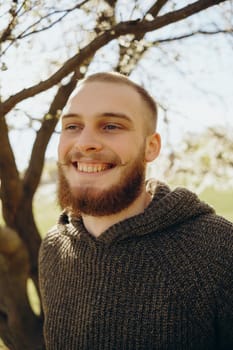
<point x="105" y="114"/>
<point x="70" y="115"/>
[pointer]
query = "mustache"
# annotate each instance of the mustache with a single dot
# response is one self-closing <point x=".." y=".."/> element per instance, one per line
<point x="77" y="156"/>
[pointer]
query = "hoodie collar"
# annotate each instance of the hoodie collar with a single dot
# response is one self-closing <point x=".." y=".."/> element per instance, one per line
<point x="167" y="208"/>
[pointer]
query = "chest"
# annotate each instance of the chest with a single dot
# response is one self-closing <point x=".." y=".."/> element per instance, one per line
<point x="126" y="295"/>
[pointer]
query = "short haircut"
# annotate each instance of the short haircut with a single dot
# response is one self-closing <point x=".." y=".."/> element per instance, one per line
<point x="114" y="77"/>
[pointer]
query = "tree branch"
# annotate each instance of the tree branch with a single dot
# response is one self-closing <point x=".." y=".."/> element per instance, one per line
<point x="34" y="170"/>
<point x="11" y="187"/>
<point x="129" y="27"/>
<point x="155" y="9"/>
<point x="8" y="30"/>
<point x="201" y="32"/>
<point x="6" y="33"/>
<point x="24" y="33"/>
<point x="111" y="2"/>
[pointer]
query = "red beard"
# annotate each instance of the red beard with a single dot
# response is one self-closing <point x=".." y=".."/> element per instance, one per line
<point x="105" y="202"/>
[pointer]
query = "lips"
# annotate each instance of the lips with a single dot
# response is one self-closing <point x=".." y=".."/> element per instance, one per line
<point x="92" y="168"/>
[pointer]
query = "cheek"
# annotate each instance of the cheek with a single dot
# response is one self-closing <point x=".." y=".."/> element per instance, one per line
<point x="63" y="147"/>
<point x="130" y="152"/>
<point x="124" y="153"/>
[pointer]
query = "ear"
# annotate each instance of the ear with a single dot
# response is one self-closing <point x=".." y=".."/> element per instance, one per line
<point x="153" y="146"/>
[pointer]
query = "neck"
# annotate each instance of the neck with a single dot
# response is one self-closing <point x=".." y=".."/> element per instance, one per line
<point x="97" y="225"/>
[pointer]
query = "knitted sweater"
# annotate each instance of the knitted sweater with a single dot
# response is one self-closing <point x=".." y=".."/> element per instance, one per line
<point x="160" y="280"/>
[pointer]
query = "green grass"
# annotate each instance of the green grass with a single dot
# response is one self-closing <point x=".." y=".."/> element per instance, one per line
<point x="2" y="346"/>
<point x="222" y="201"/>
<point x="46" y="209"/>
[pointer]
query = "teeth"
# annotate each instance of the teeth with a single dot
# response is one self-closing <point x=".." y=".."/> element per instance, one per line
<point x="95" y="168"/>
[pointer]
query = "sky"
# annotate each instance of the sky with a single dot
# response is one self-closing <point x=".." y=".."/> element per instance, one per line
<point x="192" y="79"/>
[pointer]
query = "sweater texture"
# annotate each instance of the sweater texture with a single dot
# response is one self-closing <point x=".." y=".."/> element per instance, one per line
<point x="160" y="280"/>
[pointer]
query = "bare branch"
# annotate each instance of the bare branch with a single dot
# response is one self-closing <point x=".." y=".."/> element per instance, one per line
<point x="25" y="33"/>
<point x="128" y="27"/>
<point x="111" y="2"/>
<point x="14" y="14"/>
<point x="7" y="32"/>
<point x="34" y="170"/>
<point x="11" y="186"/>
<point x="155" y="9"/>
<point x="201" y="32"/>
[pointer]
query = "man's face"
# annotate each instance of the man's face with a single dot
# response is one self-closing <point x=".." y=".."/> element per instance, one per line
<point x="102" y="148"/>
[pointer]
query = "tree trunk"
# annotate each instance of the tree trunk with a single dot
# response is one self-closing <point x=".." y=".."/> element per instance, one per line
<point x="20" y="327"/>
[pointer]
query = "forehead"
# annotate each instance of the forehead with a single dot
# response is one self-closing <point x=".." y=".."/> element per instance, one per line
<point x="97" y="97"/>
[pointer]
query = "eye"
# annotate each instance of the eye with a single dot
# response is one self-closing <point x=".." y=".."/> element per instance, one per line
<point x="72" y="127"/>
<point x="111" y="126"/>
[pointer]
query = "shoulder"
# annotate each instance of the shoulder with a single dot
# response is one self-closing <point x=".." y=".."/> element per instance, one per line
<point x="216" y="229"/>
<point x="51" y="236"/>
<point x="210" y="234"/>
<point x="58" y="238"/>
<point x="57" y="232"/>
<point x="214" y="241"/>
<point x="54" y="238"/>
<point x="49" y="244"/>
<point x="205" y="242"/>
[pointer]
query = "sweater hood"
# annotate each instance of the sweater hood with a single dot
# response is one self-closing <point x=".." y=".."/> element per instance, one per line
<point x="168" y="208"/>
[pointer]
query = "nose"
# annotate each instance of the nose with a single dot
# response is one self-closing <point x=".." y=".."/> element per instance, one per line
<point x="88" y="141"/>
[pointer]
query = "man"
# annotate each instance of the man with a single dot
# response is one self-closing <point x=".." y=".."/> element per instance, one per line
<point x="131" y="264"/>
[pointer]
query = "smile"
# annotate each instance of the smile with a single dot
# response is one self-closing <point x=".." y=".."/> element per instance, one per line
<point x="91" y="168"/>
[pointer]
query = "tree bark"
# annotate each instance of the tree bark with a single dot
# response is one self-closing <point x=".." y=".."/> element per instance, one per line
<point x="20" y="328"/>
